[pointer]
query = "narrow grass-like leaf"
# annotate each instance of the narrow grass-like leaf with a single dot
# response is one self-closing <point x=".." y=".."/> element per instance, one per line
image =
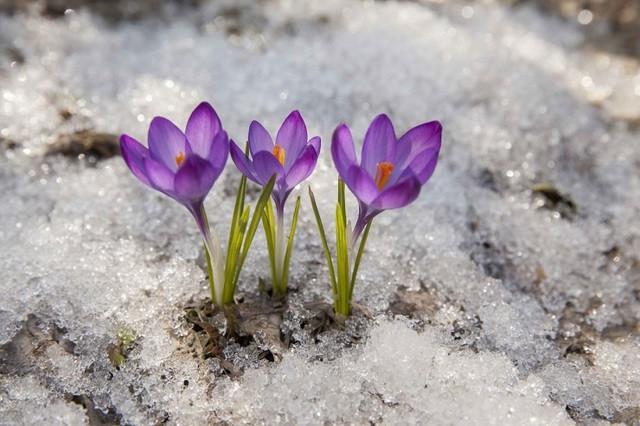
<point x="287" y="256"/>
<point x="356" y="264"/>
<point x="210" y="275"/>
<point x="233" y="231"/>
<point x="272" y="216"/>
<point x="269" y="234"/>
<point x="342" y="257"/>
<point x="341" y="200"/>
<point x="271" y="221"/>
<point x="325" y="245"/>
<point x="237" y="211"/>
<point x="232" y="257"/>
<point x="207" y="255"/>
<point x="253" y="226"/>
<point x="233" y="272"/>
<point x="235" y="240"/>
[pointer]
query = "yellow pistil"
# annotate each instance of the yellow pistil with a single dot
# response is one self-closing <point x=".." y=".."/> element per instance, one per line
<point x="179" y="158"/>
<point x="278" y="152"/>
<point x="383" y="171"/>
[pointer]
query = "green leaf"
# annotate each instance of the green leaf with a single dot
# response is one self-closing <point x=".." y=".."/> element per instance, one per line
<point x="244" y="219"/>
<point x="235" y="243"/>
<point x="231" y="267"/>
<point x="210" y="275"/>
<point x="237" y="213"/>
<point x="269" y="232"/>
<point x="126" y="335"/>
<point x="207" y="255"/>
<point x="325" y="245"/>
<point x="342" y="257"/>
<point x="287" y="256"/>
<point x="253" y="226"/>
<point x="341" y="201"/>
<point x="115" y="356"/>
<point x="271" y="221"/>
<point x="356" y="265"/>
<point x="269" y="225"/>
<point x="237" y="208"/>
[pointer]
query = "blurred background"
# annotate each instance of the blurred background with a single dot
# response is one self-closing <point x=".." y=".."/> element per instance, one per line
<point x="612" y="25"/>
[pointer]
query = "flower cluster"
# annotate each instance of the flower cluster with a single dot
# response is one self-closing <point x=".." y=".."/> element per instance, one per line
<point x="185" y="166"/>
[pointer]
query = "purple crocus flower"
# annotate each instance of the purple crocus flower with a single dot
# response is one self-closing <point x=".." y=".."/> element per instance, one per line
<point x="291" y="158"/>
<point x="392" y="171"/>
<point x="184" y="166"/>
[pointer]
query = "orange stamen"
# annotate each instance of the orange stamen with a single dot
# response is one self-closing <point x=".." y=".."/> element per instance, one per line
<point x="179" y="158"/>
<point x="383" y="171"/>
<point x="278" y="152"/>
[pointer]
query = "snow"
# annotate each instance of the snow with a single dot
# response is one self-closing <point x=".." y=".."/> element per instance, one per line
<point x="425" y="380"/>
<point x="532" y="312"/>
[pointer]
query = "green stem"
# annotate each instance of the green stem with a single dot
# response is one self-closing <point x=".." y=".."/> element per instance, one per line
<point x="269" y="232"/>
<point x="356" y="264"/>
<point x="325" y="246"/>
<point x="213" y="251"/>
<point x="217" y="265"/>
<point x="210" y="274"/>
<point x="287" y="254"/>
<point x="279" y="286"/>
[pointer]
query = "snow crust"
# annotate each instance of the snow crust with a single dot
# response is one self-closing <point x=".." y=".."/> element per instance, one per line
<point x="421" y="378"/>
<point x="525" y="313"/>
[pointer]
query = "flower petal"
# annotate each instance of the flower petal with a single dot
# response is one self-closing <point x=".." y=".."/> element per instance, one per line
<point x="259" y="139"/>
<point x="303" y="167"/>
<point x="423" y="165"/>
<point x="133" y="153"/>
<point x="361" y="184"/>
<point x="379" y="144"/>
<point x="266" y="165"/>
<point x="161" y="178"/>
<point x="315" y="143"/>
<point x="166" y="142"/>
<point x="243" y="164"/>
<point x="292" y="136"/>
<point x="194" y="180"/>
<point x="427" y="136"/>
<point x="398" y="195"/>
<point x="343" y="150"/>
<point x="202" y="127"/>
<point x="219" y="152"/>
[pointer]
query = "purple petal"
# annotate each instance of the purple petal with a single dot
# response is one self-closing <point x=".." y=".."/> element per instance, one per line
<point x="166" y="142"/>
<point x="133" y="153"/>
<point x="342" y="150"/>
<point x="259" y="139"/>
<point x="361" y="184"/>
<point x="266" y="165"/>
<point x="161" y="178"/>
<point x="303" y="167"/>
<point x="292" y="136"/>
<point x="315" y="143"/>
<point x="427" y="136"/>
<point x="219" y="152"/>
<point x="243" y="164"/>
<point x="379" y="144"/>
<point x="423" y="165"/>
<point x="398" y="195"/>
<point x="202" y="127"/>
<point x="194" y="180"/>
